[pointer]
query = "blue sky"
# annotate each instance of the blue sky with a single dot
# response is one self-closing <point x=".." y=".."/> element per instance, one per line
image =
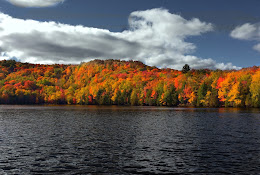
<point x="215" y="44"/>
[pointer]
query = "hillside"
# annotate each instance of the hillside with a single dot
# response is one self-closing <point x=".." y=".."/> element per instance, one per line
<point x="114" y="82"/>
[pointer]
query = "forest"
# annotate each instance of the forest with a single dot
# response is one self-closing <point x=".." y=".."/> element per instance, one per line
<point x="114" y="82"/>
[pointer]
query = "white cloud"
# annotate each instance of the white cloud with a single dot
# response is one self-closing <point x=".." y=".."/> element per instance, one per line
<point x="248" y="32"/>
<point x="35" y="3"/>
<point x="245" y="32"/>
<point x="257" y="47"/>
<point x="155" y="37"/>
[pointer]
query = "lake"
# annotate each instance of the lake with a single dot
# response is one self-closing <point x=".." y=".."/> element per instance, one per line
<point x="128" y="140"/>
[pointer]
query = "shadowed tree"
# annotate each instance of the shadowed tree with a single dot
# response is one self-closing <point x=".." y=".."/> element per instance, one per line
<point x="185" y="69"/>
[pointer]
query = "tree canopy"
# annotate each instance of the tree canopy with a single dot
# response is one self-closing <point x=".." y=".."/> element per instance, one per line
<point x="114" y="82"/>
<point x="185" y="69"/>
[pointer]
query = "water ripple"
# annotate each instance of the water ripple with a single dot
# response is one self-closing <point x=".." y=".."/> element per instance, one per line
<point x="102" y="140"/>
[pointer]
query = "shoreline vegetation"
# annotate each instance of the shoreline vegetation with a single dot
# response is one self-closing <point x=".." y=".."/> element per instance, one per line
<point x="114" y="82"/>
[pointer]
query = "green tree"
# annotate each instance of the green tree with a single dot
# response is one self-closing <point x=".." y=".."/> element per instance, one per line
<point x="133" y="98"/>
<point x="255" y="89"/>
<point x="201" y="93"/>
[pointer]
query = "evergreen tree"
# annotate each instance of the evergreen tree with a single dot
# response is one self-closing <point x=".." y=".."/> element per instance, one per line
<point x="185" y="69"/>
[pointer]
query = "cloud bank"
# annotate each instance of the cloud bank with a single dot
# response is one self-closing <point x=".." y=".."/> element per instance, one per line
<point x="35" y="3"/>
<point x="155" y="37"/>
<point x="250" y="32"/>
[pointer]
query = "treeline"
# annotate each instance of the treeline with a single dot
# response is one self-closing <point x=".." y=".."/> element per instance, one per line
<point x="114" y="82"/>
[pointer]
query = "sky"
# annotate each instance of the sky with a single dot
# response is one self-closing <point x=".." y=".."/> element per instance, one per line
<point x="213" y="34"/>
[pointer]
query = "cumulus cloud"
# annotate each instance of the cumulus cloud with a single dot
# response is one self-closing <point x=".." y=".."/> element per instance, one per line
<point x="35" y="3"/>
<point x="155" y="37"/>
<point x="245" y="32"/>
<point x="248" y="32"/>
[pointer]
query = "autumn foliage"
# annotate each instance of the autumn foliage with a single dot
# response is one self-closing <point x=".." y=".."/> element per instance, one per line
<point x="114" y="82"/>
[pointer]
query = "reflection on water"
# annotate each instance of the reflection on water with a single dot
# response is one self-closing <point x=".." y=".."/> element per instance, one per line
<point x="128" y="140"/>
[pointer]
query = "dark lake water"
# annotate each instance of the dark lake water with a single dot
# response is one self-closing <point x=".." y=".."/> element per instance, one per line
<point x="128" y="140"/>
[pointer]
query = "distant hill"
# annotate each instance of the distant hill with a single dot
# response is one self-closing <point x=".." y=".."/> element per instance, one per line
<point x="114" y="82"/>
